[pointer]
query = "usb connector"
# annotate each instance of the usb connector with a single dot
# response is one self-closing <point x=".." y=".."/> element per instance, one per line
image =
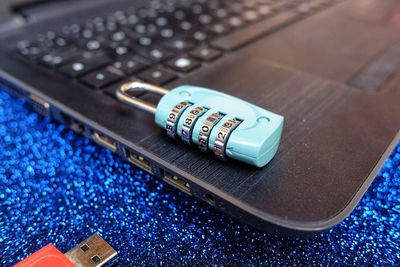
<point x="93" y="252"/>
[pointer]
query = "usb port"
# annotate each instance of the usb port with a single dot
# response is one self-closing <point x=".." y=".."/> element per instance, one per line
<point x="104" y="141"/>
<point x="138" y="160"/>
<point x="76" y="126"/>
<point x="177" y="182"/>
<point x="40" y="101"/>
<point x="39" y="105"/>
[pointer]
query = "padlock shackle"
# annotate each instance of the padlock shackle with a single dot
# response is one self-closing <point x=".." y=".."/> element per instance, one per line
<point x="133" y="101"/>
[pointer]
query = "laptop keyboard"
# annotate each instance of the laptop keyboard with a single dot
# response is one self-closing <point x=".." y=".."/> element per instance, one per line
<point x="160" y="42"/>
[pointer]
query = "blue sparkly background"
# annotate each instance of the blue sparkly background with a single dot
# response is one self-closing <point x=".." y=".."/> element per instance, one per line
<point x="58" y="187"/>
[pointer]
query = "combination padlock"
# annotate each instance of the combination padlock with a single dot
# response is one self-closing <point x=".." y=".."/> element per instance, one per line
<point x="213" y="121"/>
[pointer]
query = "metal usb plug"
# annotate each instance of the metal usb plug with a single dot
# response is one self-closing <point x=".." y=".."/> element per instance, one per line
<point x="93" y="252"/>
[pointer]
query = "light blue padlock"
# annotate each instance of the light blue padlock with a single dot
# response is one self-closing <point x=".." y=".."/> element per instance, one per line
<point x="226" y="125"/>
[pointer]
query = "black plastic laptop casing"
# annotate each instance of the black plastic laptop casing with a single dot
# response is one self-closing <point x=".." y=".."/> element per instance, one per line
<point x="335" y="138"/>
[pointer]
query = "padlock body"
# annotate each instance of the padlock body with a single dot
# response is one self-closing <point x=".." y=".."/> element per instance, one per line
<point x="256" y="138"/>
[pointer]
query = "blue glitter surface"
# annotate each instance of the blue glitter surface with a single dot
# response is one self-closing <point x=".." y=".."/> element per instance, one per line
<point x="58" y="187"/>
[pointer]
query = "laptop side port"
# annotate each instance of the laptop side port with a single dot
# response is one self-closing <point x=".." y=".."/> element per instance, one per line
<point x="72" y="123"/>
<point x="177" y="182"/>
<point x="38" y="105"/>
<point x="137" y="160"/>
<point x="77" y="126"/>
<point x="104" y="141"/>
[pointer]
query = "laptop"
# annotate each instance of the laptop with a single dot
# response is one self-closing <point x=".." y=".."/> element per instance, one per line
<point x="331" y="68"/>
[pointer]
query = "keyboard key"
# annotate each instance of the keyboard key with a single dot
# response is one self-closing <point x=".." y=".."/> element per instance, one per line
<point x="118" y="36"/>
<point x="264" y="10"/>
<point x="221" y="13"/>
<point x="119" y="49"/>
<point x="50" y="60"/>
<point x="236" y="8"/>
<point x="80" y="67"/>
<point x="197" y="9"/>
<point x="179" y="44"/>
<point x="200" y="36"/>
<point x="167" y="33"/>
<point x="100" y="78"/>
<point x="161" y="21"/>
<point x="87" y="34"/>
<point x="219" y="28"/>
<point x="92" y="45"/>
<point x="239" y="38"/>
<point x="186" y="25"/>
<point x="179" y="14"/>
<point x="60" y="42"/>
<point x="205" y="53"/>
<point x="129" y="65"/>
<point x="23" y="44"/>
<point x="157" y="76"/>
<point x="55" y="59"/>
<point x="205" y="19"/>
<point x="145" y="41"/>
<point x="32" y="51"/>
<point x="158" y="54"/>
<point x="182" y="64"/>
<point x="235" y="22"/>
<point x="250" y="15"/>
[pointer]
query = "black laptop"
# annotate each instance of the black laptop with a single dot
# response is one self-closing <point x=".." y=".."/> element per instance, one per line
<point x="331" y="68"/>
